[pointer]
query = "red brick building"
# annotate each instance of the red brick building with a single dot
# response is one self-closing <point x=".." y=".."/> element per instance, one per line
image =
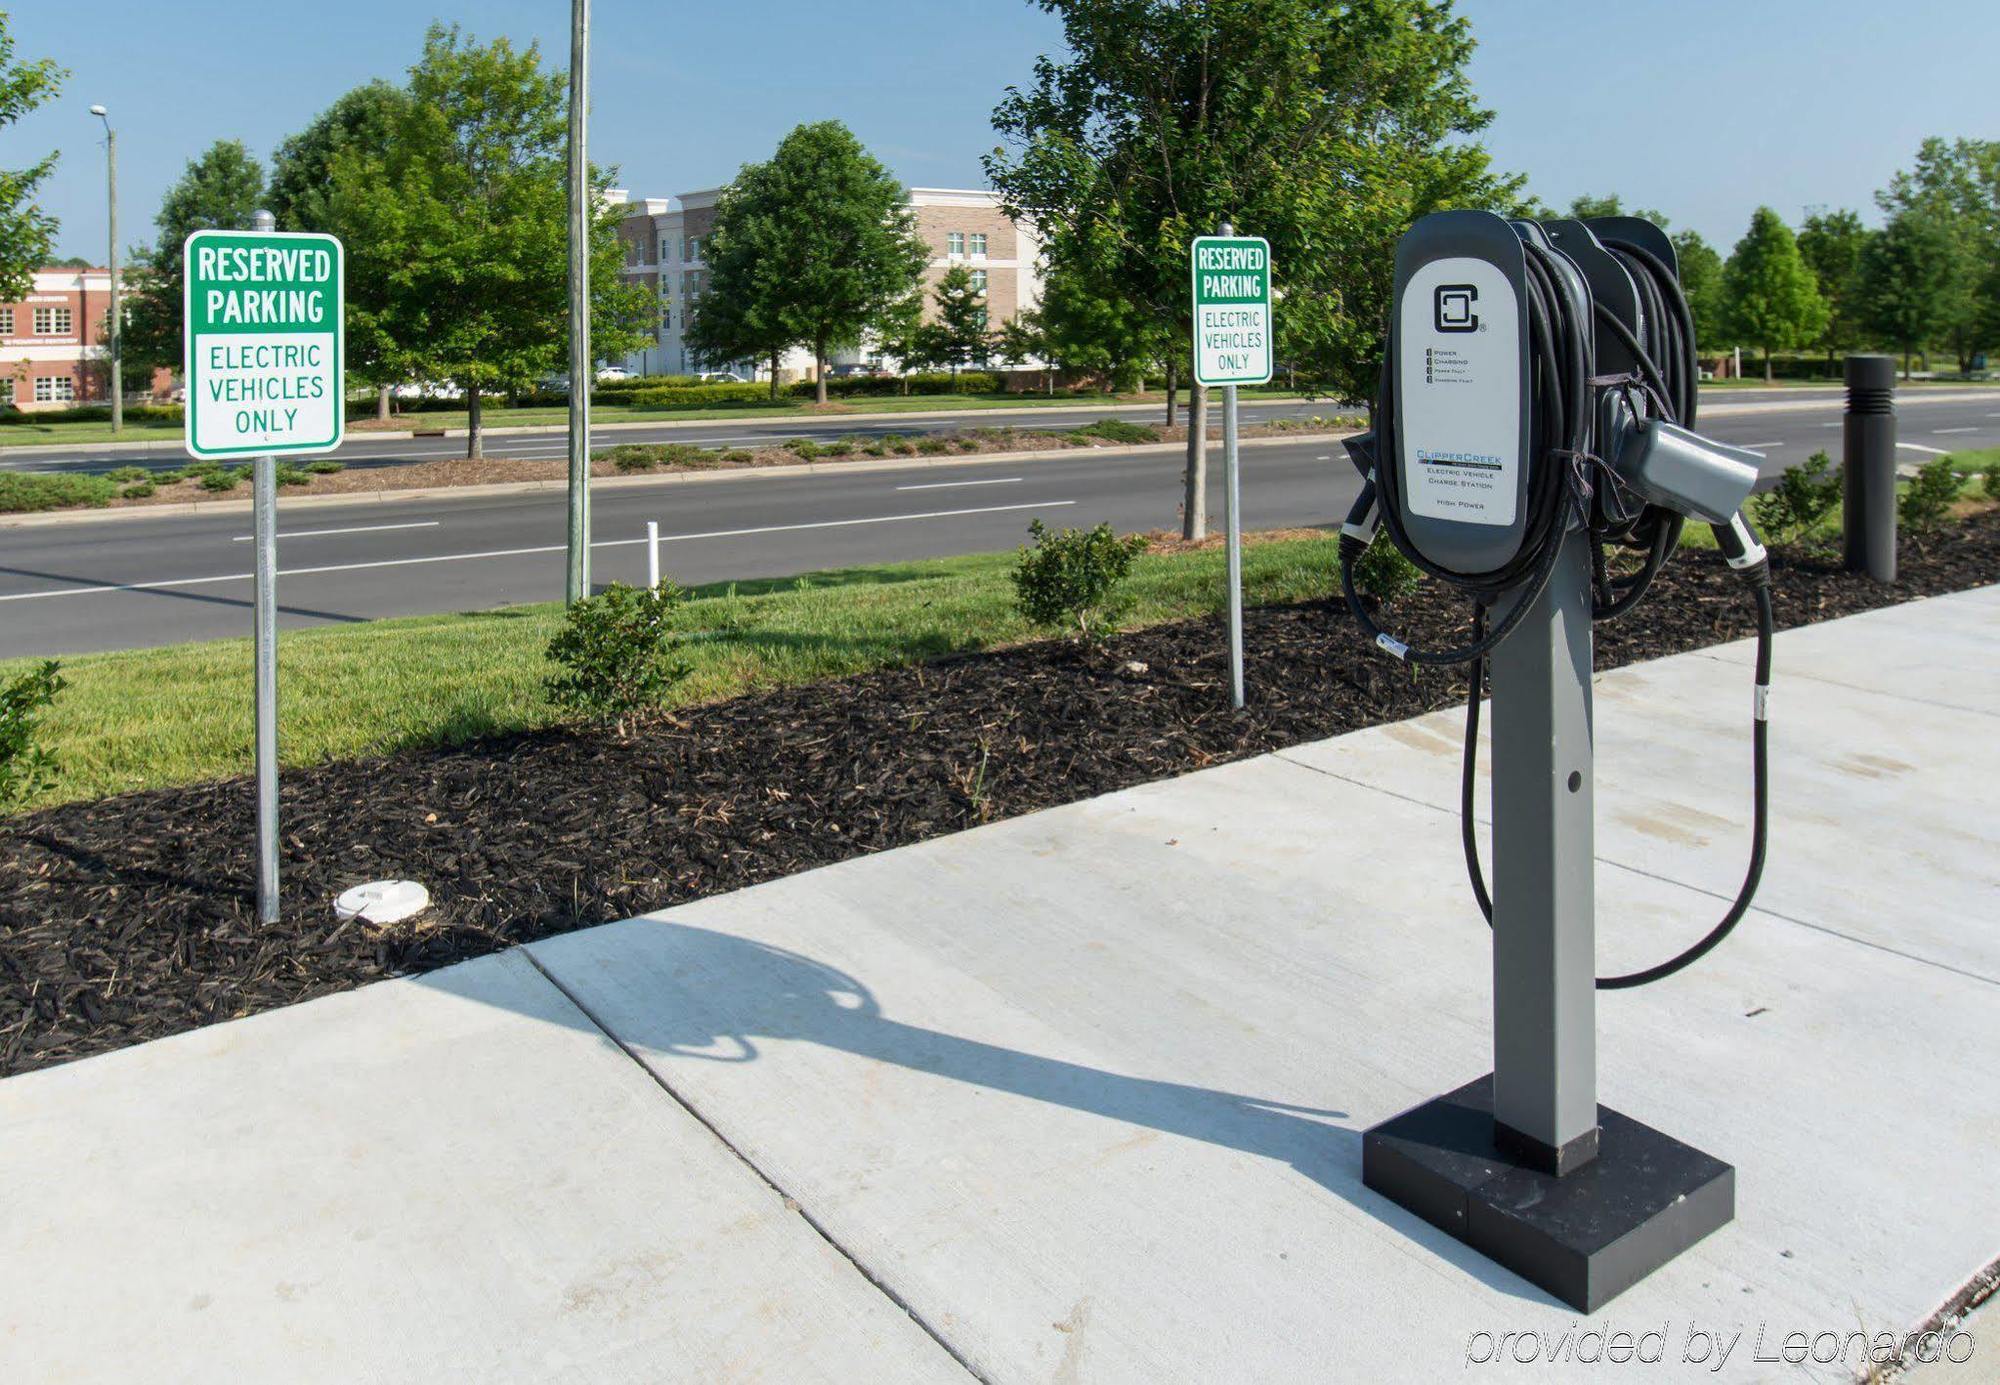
<point x="51" y="342"/>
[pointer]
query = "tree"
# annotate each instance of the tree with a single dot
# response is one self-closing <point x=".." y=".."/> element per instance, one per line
<point x="1772" y="300"/>
<point x="961" y="334"/>
<point x="1585" y="207"/>
<point x="1023" y="338"/>
<point x="221" y="190"/>
<point x="26" y="231"/>
<point x="1326" y="129"/>
<point x="460" y="221"/>
<point x="901" y="332"/>
<point x="1831" y="244"/>
<point x="819" y="241"/>
<point x="1906" y="281"/>
<point x="1955" y="185"/>
<point x="300" y="197"/>
<point x="1701" y="282"/>
<point x="736" y="318"/>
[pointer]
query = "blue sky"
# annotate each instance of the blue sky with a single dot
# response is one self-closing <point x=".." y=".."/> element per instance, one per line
<point x="1700" y="108"/>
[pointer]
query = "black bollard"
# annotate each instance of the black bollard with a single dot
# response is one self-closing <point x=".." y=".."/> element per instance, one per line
<point x="1868" y="467"/>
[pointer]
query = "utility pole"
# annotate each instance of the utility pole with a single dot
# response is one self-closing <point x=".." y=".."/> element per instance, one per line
<point x="582" y="370"/>
<point x="117" y="311"/>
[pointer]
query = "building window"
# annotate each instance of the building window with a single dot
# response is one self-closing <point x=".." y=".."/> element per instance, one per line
<point x="52" y="322"/>
<point x="694" y="249"/>
<point x="666" y="249"/>
<point x="979" y="244"/>
<point x="979" y="280"/>
<point x="691" y="284"/>
<point x="6" y="322"/>
<point x="954" y="243"/>
<point x="54" y="389"/>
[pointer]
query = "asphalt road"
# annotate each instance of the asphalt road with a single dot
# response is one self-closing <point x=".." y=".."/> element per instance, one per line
<point x="133" y="582"/>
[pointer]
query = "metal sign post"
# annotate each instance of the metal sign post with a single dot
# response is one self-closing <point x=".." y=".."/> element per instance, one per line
<point x="1232" y="346"/>
<point x="264" y="340"/>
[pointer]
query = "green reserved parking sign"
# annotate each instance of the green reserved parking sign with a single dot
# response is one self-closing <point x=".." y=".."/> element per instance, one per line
<point x="1232" y="310"/>
<point x="264" y="336"/>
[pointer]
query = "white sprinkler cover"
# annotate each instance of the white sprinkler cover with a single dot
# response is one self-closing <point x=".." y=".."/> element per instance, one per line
<point x="383" y="901"/>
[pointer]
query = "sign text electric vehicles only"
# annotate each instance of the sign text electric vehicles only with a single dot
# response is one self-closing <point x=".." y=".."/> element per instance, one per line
<point x="265" y="342"/>
<point x="1232" y="310"/>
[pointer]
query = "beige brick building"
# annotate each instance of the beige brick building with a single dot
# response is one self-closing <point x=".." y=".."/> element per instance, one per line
<point x="663" y="250"/>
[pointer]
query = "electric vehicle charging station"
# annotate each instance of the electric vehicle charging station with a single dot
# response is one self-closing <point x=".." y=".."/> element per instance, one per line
<point x="1529" y="442"/>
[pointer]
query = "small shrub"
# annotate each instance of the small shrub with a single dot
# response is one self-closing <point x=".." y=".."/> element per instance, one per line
<point x="326" y="466"/>
<point x="738" y="456"/>
<point x="1931" y="494"/>
<point x="26" y="765"/>
<point x="1804" y="496"/>
<point x="1119" y="430"/>
<point x="138" y="490"/>
<point x="965" y="444"/>
<point x="1384" y="573"/>
<point x="632" y="457"/>
<point x="126" y="475"/>
<point x="292" y="476"/>
<point x="23" y="492"/>
<point x="899" y="447"/>
<point x="805" y="449"/>
<point x="618" y="653"/>
<point x="933" y="447"/>
<point x="220" y="480"/>
<point x="1073" y="577"/>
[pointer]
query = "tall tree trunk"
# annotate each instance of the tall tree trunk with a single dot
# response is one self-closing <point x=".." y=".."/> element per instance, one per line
<point x="819" y="372"/>
<point x="1194" y="500"/>
<point x="382" y="402"/>
<point x="1173" y="388"/>
<point x="1767" y="365"/>
<point x="774" y="377"/>
<point x="475" y="439"/>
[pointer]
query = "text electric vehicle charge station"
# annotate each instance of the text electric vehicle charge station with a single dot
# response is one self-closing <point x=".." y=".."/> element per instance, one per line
<point x="1533" y="448"/>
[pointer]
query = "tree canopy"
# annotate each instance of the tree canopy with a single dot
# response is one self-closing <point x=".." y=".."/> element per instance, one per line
<point x="812" y="248"/>
<point x="1906" y="281"/>
<point x="1831" y="243"/>
<point x="460" y="221"/>
<point x="26" y="231"/>
<point x="1773" y="302"/>
<point x="221" y="190"/>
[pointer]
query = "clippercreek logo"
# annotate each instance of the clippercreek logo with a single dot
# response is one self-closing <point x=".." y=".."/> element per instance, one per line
<point x="1452" y="304"/>
<point x="1585" y="1345"/>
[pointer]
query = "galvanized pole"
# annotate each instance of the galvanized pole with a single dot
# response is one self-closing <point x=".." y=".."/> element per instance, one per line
<point x="1232" y="503"/>
<point x="264" y="479"/>
<point x="582" y="370"/>
<point x="116" y="343"/>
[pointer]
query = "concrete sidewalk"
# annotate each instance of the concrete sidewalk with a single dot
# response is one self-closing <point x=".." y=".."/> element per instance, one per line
<point x="1078" y="1096"/>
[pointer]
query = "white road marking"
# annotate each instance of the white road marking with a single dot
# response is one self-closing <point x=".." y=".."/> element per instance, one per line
<point x="358" y="529"/>
<point x="1975" y="429"/>
<point x="525" y="552"/>
<point x="948" y="485"/>
<point x="1753" y="446"/>
<point x="1919" y="447"/>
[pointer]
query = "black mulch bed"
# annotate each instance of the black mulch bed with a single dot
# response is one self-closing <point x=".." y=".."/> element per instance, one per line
<point x="132" y="918"/>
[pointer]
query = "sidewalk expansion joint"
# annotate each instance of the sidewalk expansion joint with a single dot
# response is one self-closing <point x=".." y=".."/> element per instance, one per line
<point x="790" y="1203"/>
<point x="1854" y="688"/>
<point x="1717" y="895"/>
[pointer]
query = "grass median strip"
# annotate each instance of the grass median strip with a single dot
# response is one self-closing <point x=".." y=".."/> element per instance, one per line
<point x="151" y="718"/>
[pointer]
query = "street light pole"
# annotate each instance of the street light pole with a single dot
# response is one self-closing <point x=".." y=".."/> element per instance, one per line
<point x="582" y="371"/>
<point x="117" y="326"/>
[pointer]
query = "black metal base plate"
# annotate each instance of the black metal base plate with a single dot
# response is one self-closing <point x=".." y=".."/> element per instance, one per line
<point x="1586" y="1236"/>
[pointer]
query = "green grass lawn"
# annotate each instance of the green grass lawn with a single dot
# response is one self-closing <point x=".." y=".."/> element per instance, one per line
<point x="148" y="718"/>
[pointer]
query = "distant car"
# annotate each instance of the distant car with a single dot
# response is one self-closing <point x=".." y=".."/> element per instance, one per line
<point x="722" y="377"/>
<point x="613" y="372"/>
<point x="427" y="389"/>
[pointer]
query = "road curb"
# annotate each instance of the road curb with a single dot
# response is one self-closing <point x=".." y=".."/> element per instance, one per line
<point x="209" y="508"/>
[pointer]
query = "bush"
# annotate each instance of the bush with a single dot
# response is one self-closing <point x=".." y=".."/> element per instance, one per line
<point x="1384" y="573"/>
<point x="805" y="449"/>
<point x="1119" y="430"/>
<point x="1072" y="578"/>
<point x="644" y="456"/>
<point x="737" y="456"/>
<point x="1991" y="486"/>
<point x="933" y="446"/>
<point x="26" y="766"/>
<point x="288" y="475"/>
<point x="138" y="490"/>
<point x="221" y="479"/>
<point x="1931" y="494"/>
<point x="93" y="413"/>
<point x="698" y="396"/>
<point x="617" y="651"/>
<point x="326" y="466"/>
<point x="23" y="492"/>
<point x="1804" y="496"/>
<point x="126" y="475"/>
